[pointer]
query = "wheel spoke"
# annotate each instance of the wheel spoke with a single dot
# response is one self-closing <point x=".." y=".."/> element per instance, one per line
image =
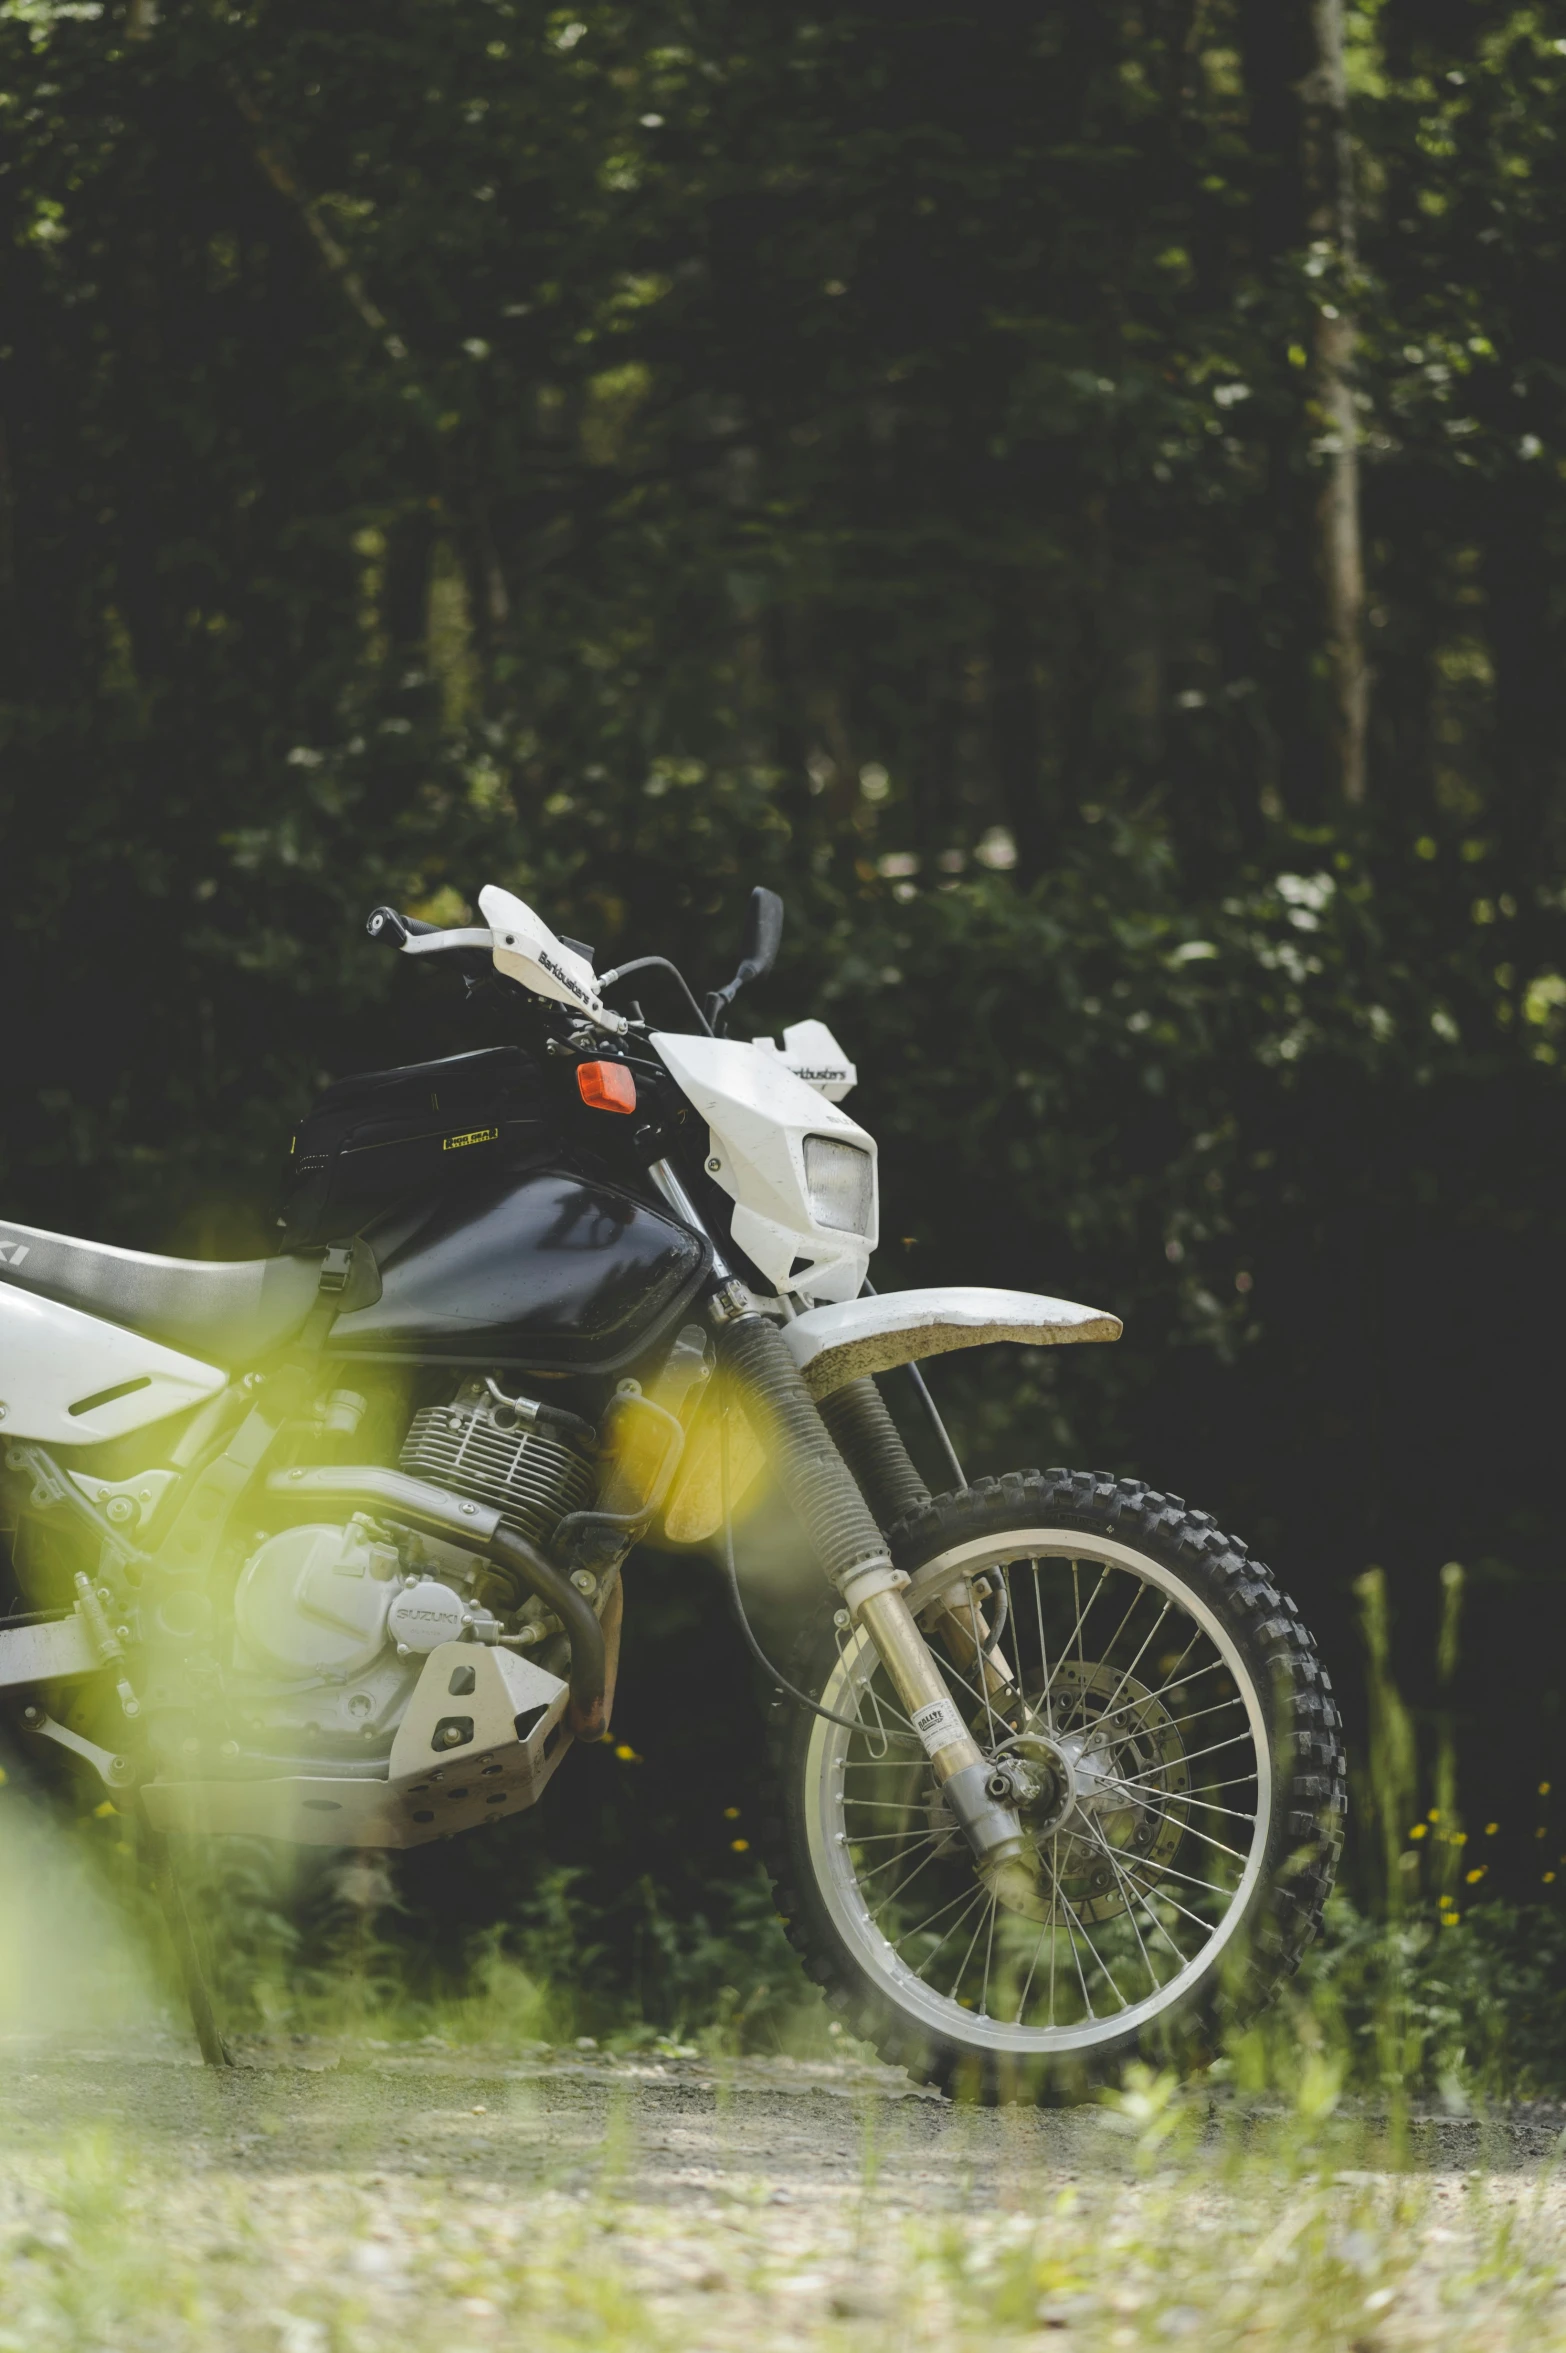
<point x="1075" y="1636"/>
<point x="1140" y="1651"/>
<point x="1168" y="1871"/>
<point x="954" y="1673"/>
<point x="1121" y="1866"/>
<point x="1081" y="1980"/>
<point x="929" y="1839"/>
<point x="1079" y="1703"/>
<point x="1054" y="1907"/>
<point x="1098" y="1957"/>
<point x="977" y="1895"/>
<point x="1189" y="1830"/>
<point x="1188" y="1798"/>
<point x="1189" y="1757"/>
<point x="1153" y="1920"/>
<point x="1048" y="1929"/>
<point x="1195" y="1717"/>
<point x="989" y="1915"/>
<point x="1162" y="1893"/>
<point x="880" y="1837"/>
<point x="940" y="1911"/>
<point x="1173" y="1683"/>
<point x="1114" y="1864"/>
<point x="1038" y="1611"/>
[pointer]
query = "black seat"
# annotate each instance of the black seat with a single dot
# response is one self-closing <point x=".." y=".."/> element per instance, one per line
<point x="228" y="1312"/>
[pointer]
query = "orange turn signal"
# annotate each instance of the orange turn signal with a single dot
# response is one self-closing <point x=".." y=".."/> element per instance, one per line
<point x="606" y="1086"/>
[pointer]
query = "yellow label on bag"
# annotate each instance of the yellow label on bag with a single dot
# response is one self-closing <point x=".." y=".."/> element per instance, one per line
<point x="479" y="1135"/>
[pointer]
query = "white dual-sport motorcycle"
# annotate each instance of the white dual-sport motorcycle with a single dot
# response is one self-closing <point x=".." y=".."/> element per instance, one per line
<point x="328" y="1546"/>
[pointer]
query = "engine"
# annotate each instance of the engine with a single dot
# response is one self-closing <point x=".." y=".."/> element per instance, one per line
<point x="479" y="1446"/>
<point x="333" y="1620"/>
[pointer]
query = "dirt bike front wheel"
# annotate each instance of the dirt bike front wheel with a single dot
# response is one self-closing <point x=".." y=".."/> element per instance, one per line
<point x="1156" y="1709"/>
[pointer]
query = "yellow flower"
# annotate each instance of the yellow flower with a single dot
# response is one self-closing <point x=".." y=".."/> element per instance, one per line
<point x="1473" y="1876"/>
<point x="1418" y="1830"/>
<point x="1447" y="1899"/>
<point x="1434" y="1814"/>
<point x="1544" y="1789"/>
<point x="1491" y="1828"/>
<point x="1450" y="1919"/>
<point x="739" y="1846"/>
<point x="1548" y="1876"/>
<point x="731" y="1813"/>
<point x="626" y="1754"/>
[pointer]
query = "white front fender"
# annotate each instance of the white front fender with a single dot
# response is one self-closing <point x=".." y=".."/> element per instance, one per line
<point x="832" y="1345"/>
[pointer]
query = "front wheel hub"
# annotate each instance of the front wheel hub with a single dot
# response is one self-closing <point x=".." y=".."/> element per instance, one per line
<point x="1080" y="1792"/>
<point x="1034" y="1771"/>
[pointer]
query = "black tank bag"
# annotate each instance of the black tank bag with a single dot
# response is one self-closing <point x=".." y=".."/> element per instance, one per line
<point x="385" y="1137"/>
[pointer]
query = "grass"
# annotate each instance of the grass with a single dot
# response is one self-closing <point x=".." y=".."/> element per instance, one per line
<point x="1160" y="2219"/>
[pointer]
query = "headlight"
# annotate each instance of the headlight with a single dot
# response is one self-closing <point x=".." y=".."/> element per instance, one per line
<point x="840" y="1180"/>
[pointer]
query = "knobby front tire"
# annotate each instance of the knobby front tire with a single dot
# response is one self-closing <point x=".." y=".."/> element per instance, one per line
<point x="1179" y="1752"/>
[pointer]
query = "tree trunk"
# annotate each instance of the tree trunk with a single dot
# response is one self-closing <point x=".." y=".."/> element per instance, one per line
<point x="1329" y="169"/>
<point x="1014" y="731"/>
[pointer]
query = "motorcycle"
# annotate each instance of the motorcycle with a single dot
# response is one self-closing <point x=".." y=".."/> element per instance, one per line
<point x="328" y="1547"/>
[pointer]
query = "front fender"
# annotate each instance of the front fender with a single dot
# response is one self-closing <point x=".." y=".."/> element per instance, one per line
<point x="835" y="1344"/>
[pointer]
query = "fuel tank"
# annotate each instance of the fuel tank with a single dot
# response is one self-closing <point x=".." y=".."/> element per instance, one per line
<point x="551" y="1271"/>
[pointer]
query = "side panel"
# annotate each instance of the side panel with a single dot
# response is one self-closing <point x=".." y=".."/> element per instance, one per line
<point x="68" y="1379"/>
<point x="549" y="1270"/>
<point x="832" y="1345"/>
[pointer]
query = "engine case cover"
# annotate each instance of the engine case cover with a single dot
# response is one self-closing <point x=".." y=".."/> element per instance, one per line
<point x="314" y="1600"/>
<point x="425" y="1614"/>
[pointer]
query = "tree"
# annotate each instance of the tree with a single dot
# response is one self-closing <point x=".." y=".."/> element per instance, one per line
<point x="1330" y="176"/>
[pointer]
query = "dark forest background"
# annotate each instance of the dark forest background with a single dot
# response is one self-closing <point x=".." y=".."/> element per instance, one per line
<point x="632" y="452"/>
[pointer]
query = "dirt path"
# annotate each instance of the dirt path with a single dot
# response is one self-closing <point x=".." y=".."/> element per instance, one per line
<point x="322" y="2199"/>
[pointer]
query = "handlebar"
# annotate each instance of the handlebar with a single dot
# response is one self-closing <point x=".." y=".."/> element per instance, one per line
<point x="386" y="924"/>
<point x="522" y="949"/>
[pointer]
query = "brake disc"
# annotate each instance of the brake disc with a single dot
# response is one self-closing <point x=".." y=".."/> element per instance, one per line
<point x="1108" y="1815"/>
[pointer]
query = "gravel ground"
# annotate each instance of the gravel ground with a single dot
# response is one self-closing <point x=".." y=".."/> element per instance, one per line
<point x="323" y="2198"/>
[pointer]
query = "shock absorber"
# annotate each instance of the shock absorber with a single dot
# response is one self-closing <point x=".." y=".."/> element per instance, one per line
<point x="852" y="1551"/>
<point x="867" y="1438"/>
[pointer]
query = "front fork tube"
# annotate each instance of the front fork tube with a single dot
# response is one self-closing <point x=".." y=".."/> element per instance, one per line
<point x="958" y="1763"/>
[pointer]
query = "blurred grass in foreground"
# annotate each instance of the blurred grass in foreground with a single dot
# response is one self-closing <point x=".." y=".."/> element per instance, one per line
<point x="1220" y="2223"/>
<point x="1316" y="2191"/>
<point x="1418" y="1987"/>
